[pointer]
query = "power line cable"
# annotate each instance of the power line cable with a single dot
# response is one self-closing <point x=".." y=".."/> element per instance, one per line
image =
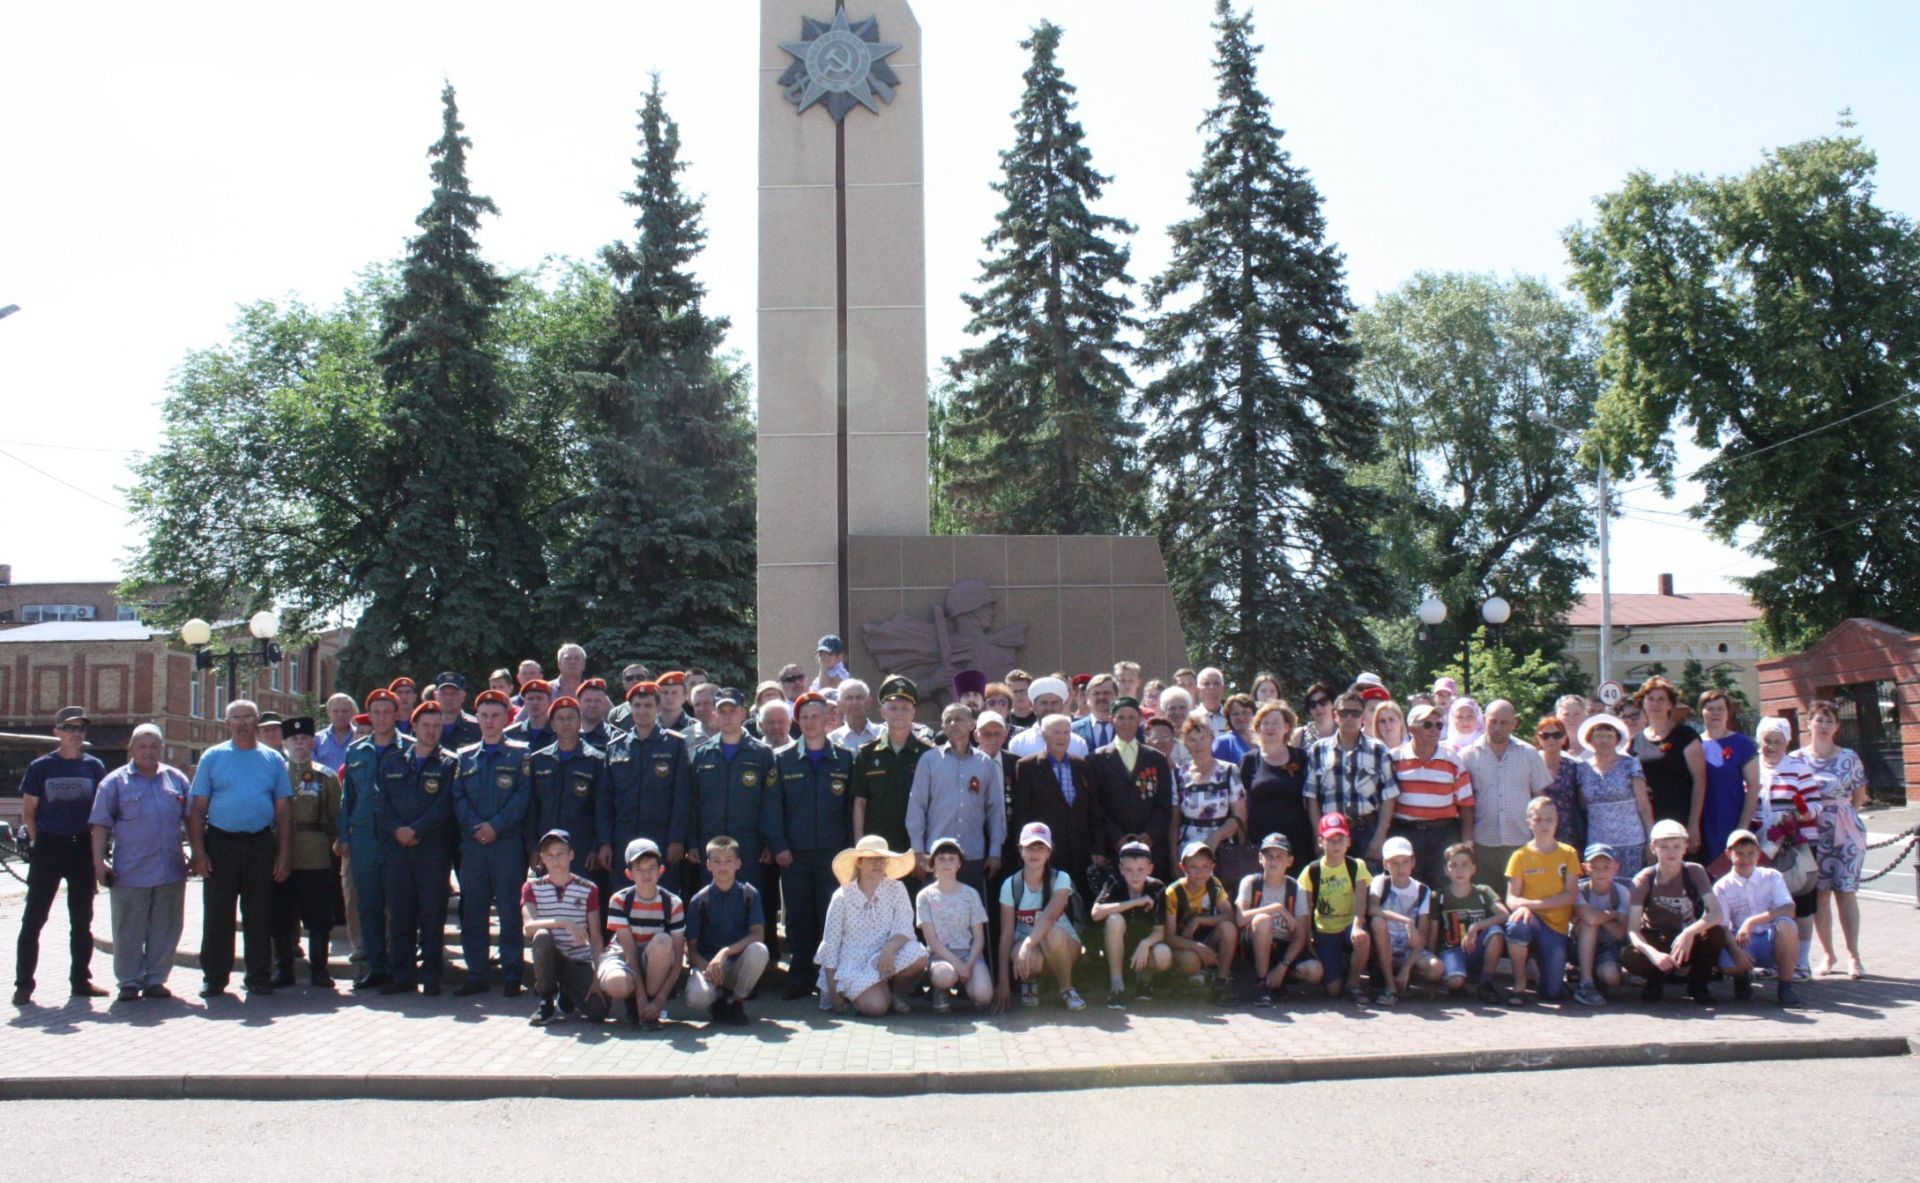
<point x="59" y="481"/>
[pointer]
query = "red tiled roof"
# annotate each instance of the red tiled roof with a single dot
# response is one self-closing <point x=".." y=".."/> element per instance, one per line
<point x="1653" y="611"/>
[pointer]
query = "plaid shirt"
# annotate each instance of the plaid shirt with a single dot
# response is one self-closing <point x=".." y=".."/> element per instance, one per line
<point x="1354" y="781"/>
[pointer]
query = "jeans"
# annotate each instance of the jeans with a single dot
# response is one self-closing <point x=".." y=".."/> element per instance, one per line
<point x="491" y="877"/>
<point x="1552" y="951"/>
<point x="241" y="870"/>
<point x="146" y="932"/>
<point x="57" y="858"/>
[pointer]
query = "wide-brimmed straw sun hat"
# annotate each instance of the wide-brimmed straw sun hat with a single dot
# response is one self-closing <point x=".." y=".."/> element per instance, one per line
<point x="845" y="864"/>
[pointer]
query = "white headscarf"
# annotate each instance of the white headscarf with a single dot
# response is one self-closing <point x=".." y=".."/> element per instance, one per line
<point x="1457" y="740"/>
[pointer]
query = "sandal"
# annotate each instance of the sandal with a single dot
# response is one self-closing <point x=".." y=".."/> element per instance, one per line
<point x="1857" y="969"/>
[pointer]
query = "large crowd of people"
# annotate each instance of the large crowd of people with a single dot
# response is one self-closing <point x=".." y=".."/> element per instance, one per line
<point x="624" y="852"/>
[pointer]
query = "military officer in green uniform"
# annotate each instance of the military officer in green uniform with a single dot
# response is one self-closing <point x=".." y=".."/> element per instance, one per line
<point x="883" y="769"/>
<point x="731" y="779"/>
<point x="306" y="898"/>
<point x="812" y="822"/>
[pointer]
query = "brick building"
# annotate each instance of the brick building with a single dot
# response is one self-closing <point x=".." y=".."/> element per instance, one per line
<point x="40" y="603"/>
<point x="126" y="673"/>
<point x="1666" y="629"/>
<point x="1871" y="670"/>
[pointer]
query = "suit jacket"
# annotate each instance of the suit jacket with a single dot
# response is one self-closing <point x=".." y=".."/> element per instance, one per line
<point x="1137" y="802"/>
<point x="1076" y="827"/>
<point x="1083" y="727"/>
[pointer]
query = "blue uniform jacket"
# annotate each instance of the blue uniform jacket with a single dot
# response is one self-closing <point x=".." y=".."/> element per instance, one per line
<point x="357" y="779"/>
<point x="534" y="737"/>
<point x="812" y="808"/>
<point x="566" y="796"/>
<point x="649" y="790"/>
<point x="730" y="796"/>
<point x="492" y="789"/>
<point x="415" y="792"/>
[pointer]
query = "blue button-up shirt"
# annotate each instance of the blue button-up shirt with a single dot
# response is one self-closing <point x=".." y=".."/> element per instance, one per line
<point x="330" y="750"/>
<point x="241" y="785"/>
<point x="1063" y="773"/>
<point x="147" y="818"/>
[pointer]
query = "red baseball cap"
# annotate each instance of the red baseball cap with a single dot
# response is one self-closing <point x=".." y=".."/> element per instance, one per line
<point x="1335" y="823"/>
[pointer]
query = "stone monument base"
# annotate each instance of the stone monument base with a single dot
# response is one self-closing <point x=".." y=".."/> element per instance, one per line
<point x="1086" y="602"/>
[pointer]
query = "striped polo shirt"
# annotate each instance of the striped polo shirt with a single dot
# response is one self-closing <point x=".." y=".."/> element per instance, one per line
<point x="645" y="918"/>
<point x="573" y="902"/>
<point x="1432" y="789"/>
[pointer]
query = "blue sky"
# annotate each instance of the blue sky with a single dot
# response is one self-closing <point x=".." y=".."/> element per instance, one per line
<point x="167" y="163"/>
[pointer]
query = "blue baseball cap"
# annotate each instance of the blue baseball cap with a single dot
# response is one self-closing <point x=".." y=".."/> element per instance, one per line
<point x="1598" y="850"/>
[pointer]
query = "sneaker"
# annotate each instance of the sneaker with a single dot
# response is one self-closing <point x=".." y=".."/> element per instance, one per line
<point x="737" y="1015"/>
<point x="1264" y="999"/>
<point x="1029" y="995"/>
<point x="1743" y="989"/>
<point x="1143" y="988"/>
<point x="1788" y="996"/>
<point x="1388" y="998"/>
<point x="1652" y="990"/>
<point x="1359" y="997"/>
<point x="1489" y="993"/>
<point x="1587" y="994"/>
<point x="901" y="1006"/>
<point x="1700" y="994"/>
<point x="1223" y="992"/>
<point x="942" y="1002"/>
<point x="1197" y="979"/>
<point x="545" y="1014"/>
<point x="1071" y="998"/>
<point x="1116" y="999"/>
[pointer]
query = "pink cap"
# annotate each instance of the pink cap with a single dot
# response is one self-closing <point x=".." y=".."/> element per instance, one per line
<point x="1036" y="832"/>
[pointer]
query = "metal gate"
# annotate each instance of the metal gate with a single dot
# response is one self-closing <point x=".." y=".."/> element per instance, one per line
<point x="1870" y="725"/>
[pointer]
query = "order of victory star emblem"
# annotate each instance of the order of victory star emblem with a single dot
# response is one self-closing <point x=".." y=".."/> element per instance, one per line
<point x="840" y="62"/>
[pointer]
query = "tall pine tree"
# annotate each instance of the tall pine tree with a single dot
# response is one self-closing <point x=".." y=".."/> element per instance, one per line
<point x="1256" y="425"/>
<point x="661" y="562"/>
<point x="1040" y="435"/>
<point x="449" y="584"/>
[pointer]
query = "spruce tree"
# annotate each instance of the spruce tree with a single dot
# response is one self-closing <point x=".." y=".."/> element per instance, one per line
<point x="1041" y="430"/>
<point x="1256" y="427"/>
<point x="449" y="583"/>
<point x="661" y="562"/>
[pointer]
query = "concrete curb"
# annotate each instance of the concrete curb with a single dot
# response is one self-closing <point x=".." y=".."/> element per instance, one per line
<point x="219" y="1086"/>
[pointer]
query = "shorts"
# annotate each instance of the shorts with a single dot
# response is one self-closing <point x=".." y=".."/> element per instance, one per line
<point x="1456" y="961"/>
<point x="1608" y="949"/>
<point x="1807" y="904"/>
<point x="1334" y="950"/>
<point x="1759" y="947"/>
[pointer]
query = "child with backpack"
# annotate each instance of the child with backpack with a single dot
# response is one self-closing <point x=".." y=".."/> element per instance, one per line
<point x="1201" y="928"/>
<point x="1401" y="924"/>
<point x="1336" y="887"/>
<point x="1602" y="916"/>
<point x="1472" y="924"/>
<point x="1274" y="915"/>
<point x="1673" y="919"/>
<point x="1037" y="934"/>
<point x="1132" y="912"/>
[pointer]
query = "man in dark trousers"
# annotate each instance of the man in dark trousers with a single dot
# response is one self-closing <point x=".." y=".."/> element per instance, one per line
<point x="1134" y="784"/>
<point x="1056" y="787"/>
<point x="56" y="798"/>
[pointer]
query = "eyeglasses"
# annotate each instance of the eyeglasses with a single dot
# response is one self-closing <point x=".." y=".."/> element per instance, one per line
<point x="631" y="678"/>
<point x="1314" y="704"/>
<point x="1350" y="713"/>
<point x="794" y="678"/>
<point x="1559" y="735"/>
<point x="71" y="727"/>
<point x="1426" y="725"/>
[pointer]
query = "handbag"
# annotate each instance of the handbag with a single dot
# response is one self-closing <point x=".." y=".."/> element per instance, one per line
<point x="1798" y="866"/>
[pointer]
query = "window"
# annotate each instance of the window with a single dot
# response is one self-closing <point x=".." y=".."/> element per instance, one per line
<point x="273" y="677"/>
<point x="219" y="698"/>
<point x="294" y="684"/>
<point x="128" y="612"/>
<point x="197" y="696"/>
<point x="43" y="613"/>
<point x="1645" y="650"/>
<point x="1723" y="646"/>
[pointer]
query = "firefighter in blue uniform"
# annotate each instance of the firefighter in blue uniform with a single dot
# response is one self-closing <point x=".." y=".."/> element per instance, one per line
<point x="595" y="725"/>
<point x="361" y="835"/>
<point x="532" y="727"/>
<point x="810" y="821"/>
<point x="647" y="771"/>
<point x="413" y="811"/>
<point x="732" y="779"/>
<point x="491" y="793"/>
<point x="569" y="780"/>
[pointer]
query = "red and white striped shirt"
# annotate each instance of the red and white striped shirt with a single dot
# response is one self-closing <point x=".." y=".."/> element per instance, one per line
<point x="1790" y="787"/>
<point x="578" y="899"/>
<point x="1432" y="789"/>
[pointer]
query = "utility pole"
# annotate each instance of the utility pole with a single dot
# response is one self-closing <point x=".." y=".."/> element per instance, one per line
<point x="1606" y="582"/>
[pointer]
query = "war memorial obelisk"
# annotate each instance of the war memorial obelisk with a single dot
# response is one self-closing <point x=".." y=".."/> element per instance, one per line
<point x="842" y="374"/>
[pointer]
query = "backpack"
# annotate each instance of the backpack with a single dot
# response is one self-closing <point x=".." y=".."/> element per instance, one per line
<point x="1313" y="877"/>
<point x="1686" y="881"/>
<point x="1215" y="891"/>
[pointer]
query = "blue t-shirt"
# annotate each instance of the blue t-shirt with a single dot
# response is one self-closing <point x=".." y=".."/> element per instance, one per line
<point x="716" y="919"/>
<point x="65" y="791"/>
<point x="241" y="785"/>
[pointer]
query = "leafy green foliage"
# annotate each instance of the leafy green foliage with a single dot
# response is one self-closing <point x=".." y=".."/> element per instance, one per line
<point x="1040" y="432"/>
<point x="1257" y="432"/>
<point x="1482" y="387"/>
<point x="1775" y="314"/>
<point x="1529" y="680"/>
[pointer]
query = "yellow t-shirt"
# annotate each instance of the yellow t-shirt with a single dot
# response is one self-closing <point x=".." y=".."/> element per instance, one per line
<point x="1207" y="903"/>
<point x="1543" y="875"/>
<point x="1333" y="902"/>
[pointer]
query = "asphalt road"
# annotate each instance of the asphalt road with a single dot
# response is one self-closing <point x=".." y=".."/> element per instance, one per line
<point x="1857" y="1119"/>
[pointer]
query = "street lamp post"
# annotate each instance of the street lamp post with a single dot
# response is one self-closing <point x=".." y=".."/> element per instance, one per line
<point x="264" y="625"/>
<point x="1433" y="613"/>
